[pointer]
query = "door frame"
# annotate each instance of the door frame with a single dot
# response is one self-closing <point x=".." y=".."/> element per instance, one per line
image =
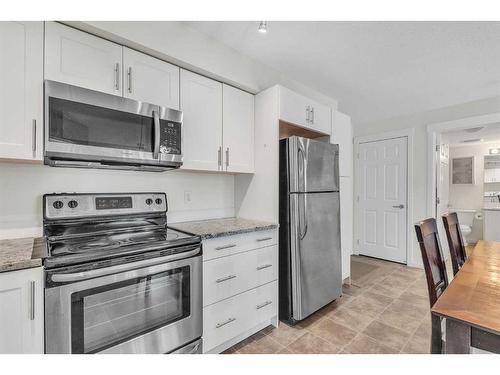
<point x="433" y="130"/>
<point x="403" y="133"/>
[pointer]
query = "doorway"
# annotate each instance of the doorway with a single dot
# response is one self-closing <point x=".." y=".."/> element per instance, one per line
<point x="382" y="198"/>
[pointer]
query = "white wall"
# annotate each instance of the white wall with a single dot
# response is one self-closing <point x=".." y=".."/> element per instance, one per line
<point x="419" y="122"/>
<point x="181" y="45"/>
<point x="22" y="187"/>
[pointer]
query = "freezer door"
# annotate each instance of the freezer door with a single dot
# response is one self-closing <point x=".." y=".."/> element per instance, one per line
<point x="316" y="270"/>
<point x="313" y="165"/>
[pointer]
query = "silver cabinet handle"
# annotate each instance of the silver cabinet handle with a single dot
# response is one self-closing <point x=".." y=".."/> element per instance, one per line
<point x="117" y="76"/>
<point x="129" y="76"/>
<point x="264" y="267"/>
<point x="312" y="115"/>
<point x="33" y="133"/>
<point x="227" y="157"/>
<point x="308" y="110"/>
<point x="264" y="239"/>
<point x="400" y="206"/>
<point x="32" y="300"/>
<point x="219" y="157"/>
<point x="156" y="150"/>
<point x="264" y="304"/>
<point x="222" y="279"/>
<point x="222" y="324"/>
<point x="225" y="247"/>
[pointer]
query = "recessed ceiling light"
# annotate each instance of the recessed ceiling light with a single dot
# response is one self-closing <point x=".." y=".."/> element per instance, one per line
<point x="262" y="27"/>
<point x="493" y="151"/>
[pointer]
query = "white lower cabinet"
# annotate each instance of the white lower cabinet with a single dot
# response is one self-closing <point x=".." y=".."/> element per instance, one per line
<point x="21" y="312"/>
<point x="240" y="287"/>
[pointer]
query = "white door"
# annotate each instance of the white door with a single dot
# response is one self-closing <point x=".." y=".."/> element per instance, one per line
<point x="150" y="80"/>
<point x="383" y="199"/>
<point x="238" y="130"/>
<point x="21" y="90"/>
<point x="21" y="312"/>
<point x="81" y="59"/>
<point x="201" y="104"/>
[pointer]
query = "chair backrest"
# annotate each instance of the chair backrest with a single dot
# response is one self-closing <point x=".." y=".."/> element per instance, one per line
<point x="432" y="256"/>
<point x="455" y="241"/>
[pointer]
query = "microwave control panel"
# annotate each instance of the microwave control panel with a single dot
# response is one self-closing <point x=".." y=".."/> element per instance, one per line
<point x="170" y="137"/>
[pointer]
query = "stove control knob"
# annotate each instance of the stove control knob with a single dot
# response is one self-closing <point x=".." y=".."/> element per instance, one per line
<point x="149" y="201"/>
<point x="159" y="201"/>
<point x="58" y="205"/>
<point x="72" y="204"/>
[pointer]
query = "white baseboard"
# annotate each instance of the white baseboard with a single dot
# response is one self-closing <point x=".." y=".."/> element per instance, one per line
<point x="10" y="233"/>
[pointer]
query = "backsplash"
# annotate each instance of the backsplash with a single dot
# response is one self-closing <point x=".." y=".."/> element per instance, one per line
<point x="191" y="196"/>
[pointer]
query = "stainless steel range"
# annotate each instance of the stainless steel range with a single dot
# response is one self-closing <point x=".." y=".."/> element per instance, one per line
<point x="118" y="280"/>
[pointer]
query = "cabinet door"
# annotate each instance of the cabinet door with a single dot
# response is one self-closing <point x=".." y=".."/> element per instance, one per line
<point x="81" y="59"/>
<point x="342" y="135"/>
<point x="294" y="108"/>
<point x="320" y="118"/>
<point x="201" y="104"/>
<point x="238" y="130"/>
<point x="21" y="92"/>
<point x="150" y="80"/>
<point x="21" y="311"/>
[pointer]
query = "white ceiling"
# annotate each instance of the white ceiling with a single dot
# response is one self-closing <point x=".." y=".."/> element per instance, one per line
<point x="472" y="136"/>
<point x="376" y="70"/>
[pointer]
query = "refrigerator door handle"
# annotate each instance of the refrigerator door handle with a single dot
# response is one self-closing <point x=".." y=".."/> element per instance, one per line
<point x="301" y="171"/>
<point x="304" y="215"/>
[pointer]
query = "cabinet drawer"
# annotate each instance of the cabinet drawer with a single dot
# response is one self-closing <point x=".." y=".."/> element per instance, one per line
<point x="227" y="319"/>
<point x="223" y="246"/>
<point x="227" y="276"/>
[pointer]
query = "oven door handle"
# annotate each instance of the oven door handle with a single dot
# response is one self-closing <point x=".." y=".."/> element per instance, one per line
<point x="79" y="276"/>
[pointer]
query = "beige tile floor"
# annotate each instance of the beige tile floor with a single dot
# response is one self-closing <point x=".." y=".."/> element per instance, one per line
<point x="384" y="310"/>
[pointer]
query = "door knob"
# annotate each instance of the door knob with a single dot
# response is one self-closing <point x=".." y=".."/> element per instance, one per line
<point x="399" y="206"/>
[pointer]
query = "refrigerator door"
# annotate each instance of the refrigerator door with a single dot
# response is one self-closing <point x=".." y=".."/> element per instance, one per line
<point x="316" y="271"/>
<point x="314" y="165"/>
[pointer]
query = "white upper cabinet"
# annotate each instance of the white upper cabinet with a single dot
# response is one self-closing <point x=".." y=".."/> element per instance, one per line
<point x="238" y="130"/>
<point x="299" y="110"/>
<point x="21" y="90"/>
<point x="150" y="80"/>
<point x="77" y="58"/>
<point x="342" y="135"/>
<point x="21" y="312"/>
<point x="201" y="104"/>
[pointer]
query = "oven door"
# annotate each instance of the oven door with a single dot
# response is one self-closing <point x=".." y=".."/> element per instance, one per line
<point x="86" y="125"/>
<point x="153" y="309"/>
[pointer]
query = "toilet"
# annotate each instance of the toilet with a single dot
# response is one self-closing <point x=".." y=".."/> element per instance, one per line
<point x="466" y="220"/>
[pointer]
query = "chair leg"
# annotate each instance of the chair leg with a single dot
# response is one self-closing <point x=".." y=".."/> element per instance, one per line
<point x="436" y="342"/>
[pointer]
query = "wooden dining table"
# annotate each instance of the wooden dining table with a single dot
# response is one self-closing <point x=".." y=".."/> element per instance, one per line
<point x="471" y="302"/>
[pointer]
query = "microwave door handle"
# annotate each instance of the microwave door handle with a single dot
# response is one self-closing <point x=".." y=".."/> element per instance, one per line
<point x="156" y="140"/>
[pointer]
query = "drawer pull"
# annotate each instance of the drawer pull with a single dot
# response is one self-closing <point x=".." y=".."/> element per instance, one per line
<point x="225" y="247"/>
<point x="225" y="278"/>
<point x="264" y="239"/>
<point x="264" y="267"/>
<point x="222" y="324"/>
<point x="264" y="304"/>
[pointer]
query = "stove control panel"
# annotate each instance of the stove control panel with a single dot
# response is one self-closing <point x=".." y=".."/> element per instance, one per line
<point x="67" y="206"/>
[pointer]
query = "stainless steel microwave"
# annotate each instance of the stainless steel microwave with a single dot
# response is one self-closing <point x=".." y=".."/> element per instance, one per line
<point x="90" y="129"/>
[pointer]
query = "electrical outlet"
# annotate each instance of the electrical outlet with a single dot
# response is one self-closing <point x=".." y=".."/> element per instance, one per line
<point x="187" y="196"/>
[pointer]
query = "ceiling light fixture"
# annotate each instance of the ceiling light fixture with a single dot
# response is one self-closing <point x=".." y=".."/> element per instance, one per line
<point x="262" y="27"/>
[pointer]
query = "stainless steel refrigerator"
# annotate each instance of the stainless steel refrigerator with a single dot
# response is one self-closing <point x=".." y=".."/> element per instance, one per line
<point x="309" y="257"/>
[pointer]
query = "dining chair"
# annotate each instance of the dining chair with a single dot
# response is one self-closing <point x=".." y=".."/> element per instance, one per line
<point x="455" y="241"/>
<point x="435" y="272"/>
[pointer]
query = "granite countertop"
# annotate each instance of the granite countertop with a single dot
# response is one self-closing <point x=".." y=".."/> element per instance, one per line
<point x="21" y="253"/>
<point x="223" y="227"/>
